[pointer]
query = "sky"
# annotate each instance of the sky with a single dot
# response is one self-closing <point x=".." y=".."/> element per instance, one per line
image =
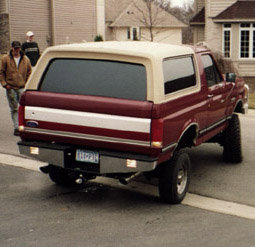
<point x="180" y="3"/>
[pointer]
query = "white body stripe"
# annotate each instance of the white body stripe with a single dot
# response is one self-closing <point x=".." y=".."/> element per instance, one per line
<point x="88" y="119"/>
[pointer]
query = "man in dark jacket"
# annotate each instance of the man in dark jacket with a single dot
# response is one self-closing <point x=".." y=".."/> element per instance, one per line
<point x="14" y="72"/>
<point x="31" y="48"/>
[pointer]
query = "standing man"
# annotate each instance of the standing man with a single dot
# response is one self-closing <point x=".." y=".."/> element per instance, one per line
<point x="15" y="70"/>
<point x="31" y="48"/>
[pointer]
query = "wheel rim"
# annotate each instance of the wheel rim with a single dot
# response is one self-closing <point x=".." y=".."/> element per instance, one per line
<point x="182" y="179"/>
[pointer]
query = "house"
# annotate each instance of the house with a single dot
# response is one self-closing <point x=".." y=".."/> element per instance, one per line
<point x="63" y="21"/>
<point x="137" y="20"/>
<point x="228" y="27"/>
<point x="53" y="22"/>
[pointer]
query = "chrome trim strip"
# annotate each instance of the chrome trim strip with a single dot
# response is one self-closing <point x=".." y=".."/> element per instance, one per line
<point x="88" y="137"/>
<point x="173" y="145"/>
<point x="213" y="125"/>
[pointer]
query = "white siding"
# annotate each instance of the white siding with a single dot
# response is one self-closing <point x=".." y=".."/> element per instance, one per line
<point x="198" y="34"/>
<point x="165" y="35"/>
<point x="171" y="36"/>
<point x="75" y="21"/>
<point x="217" y="6"/>
<point x="28" y="15"/>
<point x="199" y="4"/>
<point x="213" y="32"/>
<point x="100" y="18"/>
<point x="3" y="6"/>
<point x="246" y="68"/>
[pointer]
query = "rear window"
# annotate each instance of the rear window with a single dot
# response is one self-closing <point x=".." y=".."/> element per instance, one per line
<point x="179" y="73"/>
<point x="96" y="77"/>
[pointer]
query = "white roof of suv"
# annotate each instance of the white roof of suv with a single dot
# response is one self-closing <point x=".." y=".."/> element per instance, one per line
<point x="150" y="54"/>
<point x="137" y="48"/>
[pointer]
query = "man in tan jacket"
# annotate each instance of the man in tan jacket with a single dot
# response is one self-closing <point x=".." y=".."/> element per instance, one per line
<point x="15" y="70"/>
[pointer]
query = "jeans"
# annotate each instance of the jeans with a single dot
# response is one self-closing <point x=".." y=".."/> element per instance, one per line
<point x="13" y="97"/>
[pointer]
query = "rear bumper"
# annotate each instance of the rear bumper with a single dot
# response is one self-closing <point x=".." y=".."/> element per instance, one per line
<point x="109" y="161"/>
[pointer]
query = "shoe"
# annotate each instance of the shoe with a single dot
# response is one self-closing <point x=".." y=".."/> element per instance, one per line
<point x="16" y="132"/>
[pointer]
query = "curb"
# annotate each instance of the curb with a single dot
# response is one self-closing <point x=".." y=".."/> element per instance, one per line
<point x="193" y="200"/>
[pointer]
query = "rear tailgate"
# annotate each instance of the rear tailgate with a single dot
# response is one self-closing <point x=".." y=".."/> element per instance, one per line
<point x="93" y="121"/>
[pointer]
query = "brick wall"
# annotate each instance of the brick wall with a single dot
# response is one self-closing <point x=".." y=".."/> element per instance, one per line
<point x="4" y="33"/>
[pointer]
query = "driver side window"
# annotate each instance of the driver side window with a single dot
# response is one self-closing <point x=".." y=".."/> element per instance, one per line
<point x="212" y="74"/>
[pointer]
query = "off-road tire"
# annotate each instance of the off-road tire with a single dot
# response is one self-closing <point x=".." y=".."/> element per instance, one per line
<point x="232" y="147"/>
<point x="174" y="178"/>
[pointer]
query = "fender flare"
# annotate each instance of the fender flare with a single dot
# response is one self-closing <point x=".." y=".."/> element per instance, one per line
<point x="238" y="106"/>
<point x="185" y="131"/>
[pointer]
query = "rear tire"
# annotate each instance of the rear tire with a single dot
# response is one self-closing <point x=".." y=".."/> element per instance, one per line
<point x="232" y="151"/>
<point x="174" y="178"/>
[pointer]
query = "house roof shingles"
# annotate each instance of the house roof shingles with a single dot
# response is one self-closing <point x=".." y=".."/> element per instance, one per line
<point x="242" y="9"/>
<point x="113" y="8"/>
<point x="199" y="18"/>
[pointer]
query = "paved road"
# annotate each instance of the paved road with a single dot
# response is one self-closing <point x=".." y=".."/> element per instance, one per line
<point x="36" y="213"/>
<point x="7" y="139"/>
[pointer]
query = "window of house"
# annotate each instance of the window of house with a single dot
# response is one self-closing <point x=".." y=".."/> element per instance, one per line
<point x="212" y="74"/>
<point x="133" y="33"/>
<point x="128" y="34"/>
<point x="179" y="73"/>
<point x="227" y="40"/>
<point x="247" y="40"/>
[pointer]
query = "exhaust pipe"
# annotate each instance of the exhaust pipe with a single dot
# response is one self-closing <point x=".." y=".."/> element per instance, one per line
<point x="127" y="180"/>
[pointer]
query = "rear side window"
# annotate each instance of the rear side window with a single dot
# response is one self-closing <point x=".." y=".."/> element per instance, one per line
<point x="96" y="77"/>
<point x="179" y="73"/>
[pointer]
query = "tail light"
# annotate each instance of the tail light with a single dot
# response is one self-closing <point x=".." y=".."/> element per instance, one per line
<point x="21" y="118"/>
<point x="157" y="133"/>
<point x="22" y="113"/>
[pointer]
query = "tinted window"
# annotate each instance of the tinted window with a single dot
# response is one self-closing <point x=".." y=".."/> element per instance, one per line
<point x="211" y="72"/>
<point x="179" y="73"/>
<point x="96" y="77"/>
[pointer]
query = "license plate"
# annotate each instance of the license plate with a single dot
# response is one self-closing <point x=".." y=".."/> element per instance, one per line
<point x="87" y="156"/>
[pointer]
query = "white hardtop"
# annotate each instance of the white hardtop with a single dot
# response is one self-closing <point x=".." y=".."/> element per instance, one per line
<point x="150" y="54"/>
<point x="131" y="48"/>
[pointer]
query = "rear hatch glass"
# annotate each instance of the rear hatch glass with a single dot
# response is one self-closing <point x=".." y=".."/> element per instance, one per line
<point x="95" y="77"/>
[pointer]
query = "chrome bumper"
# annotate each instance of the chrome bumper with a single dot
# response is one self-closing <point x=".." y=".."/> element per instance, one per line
<point x="110" y="162"/>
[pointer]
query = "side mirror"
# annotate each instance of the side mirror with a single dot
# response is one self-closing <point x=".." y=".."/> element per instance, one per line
<point x="230" y="77"/>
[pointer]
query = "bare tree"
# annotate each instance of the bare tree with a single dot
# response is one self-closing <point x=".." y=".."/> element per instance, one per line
<point x="147" y="15"/>
<point x="152" y="15"/>
<point x="183" y="14"/>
